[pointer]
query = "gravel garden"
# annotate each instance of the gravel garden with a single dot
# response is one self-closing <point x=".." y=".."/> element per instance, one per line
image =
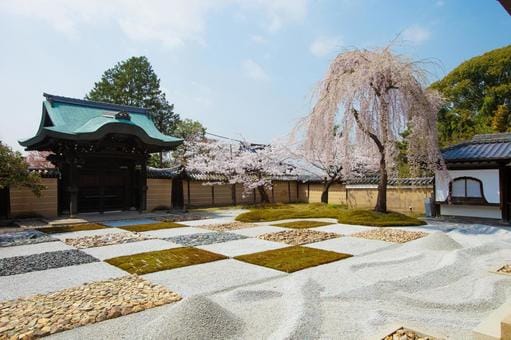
<point x="220" y="278"/>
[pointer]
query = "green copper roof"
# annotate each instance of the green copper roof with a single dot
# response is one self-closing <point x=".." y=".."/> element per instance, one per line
<point x="82" y="120"/>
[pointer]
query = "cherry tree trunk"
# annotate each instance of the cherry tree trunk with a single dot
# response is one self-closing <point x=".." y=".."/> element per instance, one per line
<point x="263" y="194"/>
<point x="324" y="193"/>
<point x="381" y="200"/>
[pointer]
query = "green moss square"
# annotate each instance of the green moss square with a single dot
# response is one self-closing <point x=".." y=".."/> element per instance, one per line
<point x="292" y="259"/>
<point x="302" y="224"/>
<point x="71" y="228"/>
<point x="152" y="226"/>
<point x="155" y="261"/>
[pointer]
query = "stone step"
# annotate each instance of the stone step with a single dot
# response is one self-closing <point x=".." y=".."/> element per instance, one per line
<point x="496" y="326"/>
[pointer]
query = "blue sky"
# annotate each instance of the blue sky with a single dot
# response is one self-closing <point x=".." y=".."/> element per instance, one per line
<point x="244" y="68"/>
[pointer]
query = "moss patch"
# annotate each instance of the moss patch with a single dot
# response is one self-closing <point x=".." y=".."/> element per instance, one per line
<point x="155" y="261"/>
<point x="302" y="224"/>
<point x="71" y="228"/>
<point x="318" y="210"/>
<point x="373" y="218"/>
<point x="292" y="259"/>
<point x="288" y="211"/>
<point x="152" y="226"/>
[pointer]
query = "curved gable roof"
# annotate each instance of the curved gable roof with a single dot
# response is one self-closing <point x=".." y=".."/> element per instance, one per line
<point x="76" y="119"/>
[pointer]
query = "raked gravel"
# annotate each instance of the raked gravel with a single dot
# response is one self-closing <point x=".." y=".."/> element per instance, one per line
<point x="241" y="247"/>
<point x="212" y="277"/>
<point x="196" y="318"/>
<point x="43" y="261"/>
<point x="205" y="238"/>
<point x="447" y="291"/>
<point x="350" y="245"/>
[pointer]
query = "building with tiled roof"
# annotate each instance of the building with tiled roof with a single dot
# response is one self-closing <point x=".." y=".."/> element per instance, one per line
<point x="478" y="178"/>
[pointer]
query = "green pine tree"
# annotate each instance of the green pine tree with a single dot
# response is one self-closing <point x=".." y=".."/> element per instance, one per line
<point x="134" y="82"/>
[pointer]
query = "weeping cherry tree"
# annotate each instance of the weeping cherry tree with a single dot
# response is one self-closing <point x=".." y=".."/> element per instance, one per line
<point x="375" y="95"/>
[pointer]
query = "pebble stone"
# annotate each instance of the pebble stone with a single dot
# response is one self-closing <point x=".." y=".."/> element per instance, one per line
<point x="406" y="334"/>
<point x="41" y="315"/>
<point x="55" y="259"/>
<point x="228" y="226"/>
<point x="104" y="240"/>
<point x="297" y="237"/>
<point x="204" y="238"/>
<point x="20" y="238"/>
<point x="390" y="235"/>
<point x="506" y="269"/>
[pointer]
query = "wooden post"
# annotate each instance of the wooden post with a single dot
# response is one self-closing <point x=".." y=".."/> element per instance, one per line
<point x="188" y="191"/>
<point x="73" y="188"/>
<point x="288" y="192"/>
<point x="213" y="195"/>
<point x="233" y="193"/>
<point x="143" y="186"/>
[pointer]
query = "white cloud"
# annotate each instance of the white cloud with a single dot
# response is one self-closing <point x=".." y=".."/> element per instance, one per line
<point x="278" y="12"/>
<point x="323" y="46"/>
<point x="253" y="70"/>
<point x="416" y="34"/>
<point x="172" y="23"/>
<point x="258" y="39"/>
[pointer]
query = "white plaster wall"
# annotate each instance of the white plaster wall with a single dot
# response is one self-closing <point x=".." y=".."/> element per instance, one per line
<point x="489" y="177"/>
<point x="470" y="211"/>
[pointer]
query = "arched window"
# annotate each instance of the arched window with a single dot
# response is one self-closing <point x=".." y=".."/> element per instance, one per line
<point x="466" y="190"/>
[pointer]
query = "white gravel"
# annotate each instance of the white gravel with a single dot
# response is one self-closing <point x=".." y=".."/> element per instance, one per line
<point x="115" y="250"/>
<point x="434" y="241"/>
<point x="241" y="247"/>
<point x="211" y="277"/>
<point x="256" y="231"/>
<point x="52" y="280"/>
<point x="172" y="232"/>
<point x="350" y="245"/>
<point x="425" y="284"/>
<point x="30" y="249"/>
<point x="196" y="318"/>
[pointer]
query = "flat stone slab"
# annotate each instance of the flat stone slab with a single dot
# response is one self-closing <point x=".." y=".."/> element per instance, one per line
<point x="86" y="233"/>
<point x="205" y="238"/>
<point x="124" y="223"/>
<point x="173" y="232"/>
<point x="256" y="231"/>
<point x="350" y="245"/>
<point x="241" y="247"/>
<point x="51" y="280"/>
<point x="55" y="259"/>
<point x="116" y="250"/>
<point x="343" y="229"/>
<point x="19" y="238"/>
<point x="42" y="315"/>
<point x="31" y="249"/>
<point x="211" y="277"/>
